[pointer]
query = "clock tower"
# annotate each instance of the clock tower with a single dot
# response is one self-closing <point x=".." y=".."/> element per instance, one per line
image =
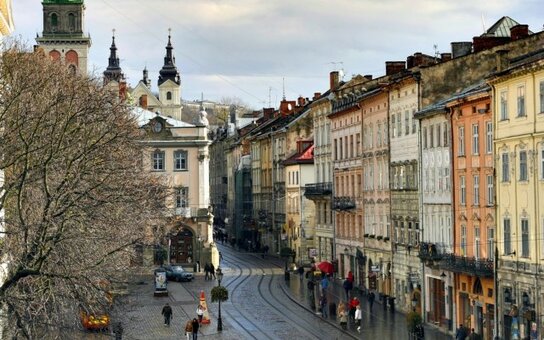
<point x="63" y="38"/>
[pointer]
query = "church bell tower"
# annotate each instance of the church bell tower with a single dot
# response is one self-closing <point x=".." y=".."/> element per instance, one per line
<point x="63" y="38"/>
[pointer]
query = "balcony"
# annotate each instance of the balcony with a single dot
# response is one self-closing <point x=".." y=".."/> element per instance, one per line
<point x="428" y="252"/>
<point x="467" y="265"/>
<point x="343" y="203"/>
<point x="318" y="189"/>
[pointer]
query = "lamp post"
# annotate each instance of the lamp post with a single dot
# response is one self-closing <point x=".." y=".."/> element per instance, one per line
<point x="219" y="275"/>
<point x="199" y="252"/>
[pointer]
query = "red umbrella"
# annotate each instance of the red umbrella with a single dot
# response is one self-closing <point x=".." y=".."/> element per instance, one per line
<point x="326" y="267"/>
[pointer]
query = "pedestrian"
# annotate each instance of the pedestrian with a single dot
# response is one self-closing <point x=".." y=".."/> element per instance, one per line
<point x="358" y="318"/>
<point x="348" y="286"/>
<point x="300" y="271"/>
<point x="212" y="271"/>
<point x="352" y="307"/>
<point x="200" y="312"/>
<point x="196" y="326"/>
<point x="220" y="257"/>
<point x="311" y="287"/>
<point x="474" y="336"/>
<point x="350" y="276"/>
<point x="460" y="333"/>
<point x="323" y="305"/>
<point x="167" y="313"/>
<point x="206" y="271"/>
<point x="324" y="284"/>
<point x="343" y="319"/>
<point x="341" y="308"/>
<point x="371" y="297"/>
<point x="189" y="329"/>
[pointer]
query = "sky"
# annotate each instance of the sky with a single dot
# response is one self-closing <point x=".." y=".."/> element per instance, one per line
<point x="259" y="50"/>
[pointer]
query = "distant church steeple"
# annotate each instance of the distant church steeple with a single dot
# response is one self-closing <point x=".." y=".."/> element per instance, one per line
<point x="113" y="71"/>
<point x="145" y="78"/>
<point x="169" y="70"/>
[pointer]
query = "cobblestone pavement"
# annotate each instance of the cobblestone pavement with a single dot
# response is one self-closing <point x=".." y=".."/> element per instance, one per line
<point x="140" y="311"/>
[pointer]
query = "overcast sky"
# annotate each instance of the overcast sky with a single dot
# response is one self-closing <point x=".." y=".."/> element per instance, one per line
<point x="245" y="48"/>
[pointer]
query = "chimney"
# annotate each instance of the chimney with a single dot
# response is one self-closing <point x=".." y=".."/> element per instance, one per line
<point x="519" y="32"/>
<point x="460" y="49"/>
<point x="287" y="107"/>
<point x="268" y="113"/>
<point x="334" y="80"/>
<point x="143" y="101"/>
<point x="317" y="95"/>
<point x="368" y="76"/>
<point x="445" y="57"/>
<point x="301" y="101"/>
<point x="392" y="67"/>
<point x="410" y="62"/>
<point x="487" y="41"/>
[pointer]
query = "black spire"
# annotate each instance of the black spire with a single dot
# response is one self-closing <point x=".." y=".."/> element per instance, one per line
<point x="169" y="70"/>
<point x="146" y="79"/>
<point x="113" y="71"/>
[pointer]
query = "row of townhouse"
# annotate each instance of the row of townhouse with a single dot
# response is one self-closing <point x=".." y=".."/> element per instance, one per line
<point x="426" y="182"/>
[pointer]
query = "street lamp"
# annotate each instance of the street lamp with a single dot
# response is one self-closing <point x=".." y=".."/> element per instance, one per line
<point x="414" y="303"/>
<point x="199" y="252"/>
<point x="219" y="275"/>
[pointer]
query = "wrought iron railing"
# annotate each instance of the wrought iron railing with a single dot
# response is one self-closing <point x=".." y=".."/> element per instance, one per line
<point x="429" y="252"/>
<point x="318" y="189"/>
<point x="468" y="265"/>
<point x="343" y="203"/>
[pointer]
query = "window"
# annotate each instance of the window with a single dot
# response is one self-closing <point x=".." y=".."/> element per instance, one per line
<point x="351" y="153"/>
<point x="406" y="122"/>
<point x="475" y="140"/>
<point x="379" y="135"/>
<point x="399" y="125"/>
<point x="72" y="22"/>
<point x="490" y="243"/>
<point x="521" y="101"/>
<point x="506" y="232"/>
<point x="464" y="240"/>
<point x="477" y="242"/>
<point x="180" y="160"/>
<point x="182" y="197"/>
<point x="542" y="163"/>
<point x="54" y="20"/>
<point x="158" y="160"/>
<point x="490" y="191"/>
<point x="541" y="95"/>
<point x="505" y="167"/>
<point x="524" y="237"/>
<point x="488" y="137"/>
<point x="335" y="150"/>
<point x="393" y="126"/>
<point x="424" y="134"/>
<point x="168" y="95"/>
<point x="504" y="105"/>
<point x="523" y="165"/>
<point x="438" y="135"/>
<point x="463" y="189"/>
<point x="414" y="124"/>
<point x="358" y="142"/>
<point x="476" y="192"/>
<point x="431" y="136"/>
<point x="341" y="151"/>
<point x="461" y="151"/>
<point x="445" y="142"/>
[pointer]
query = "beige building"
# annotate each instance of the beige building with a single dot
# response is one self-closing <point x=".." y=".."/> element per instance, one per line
<point x="518" y="99"/>
<point x="178" y="151"/>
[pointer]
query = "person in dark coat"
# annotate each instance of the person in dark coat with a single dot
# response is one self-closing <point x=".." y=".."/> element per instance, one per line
<point x="419" y="332"/>
<point x="300" y="271"/>
<point x="196" y="326"/>
<point x="167" y="313"/>
<point x="461" y="333"/>
<point x="348" y="286"/>
<point x="371" y="297"/>
<point x="212" y="271"/>
<point x="207" y="271"/>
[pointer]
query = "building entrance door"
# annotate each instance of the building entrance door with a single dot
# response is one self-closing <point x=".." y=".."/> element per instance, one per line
<point x="181" y="247"/>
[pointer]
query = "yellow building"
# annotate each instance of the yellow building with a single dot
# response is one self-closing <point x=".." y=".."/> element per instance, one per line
<point x="6" y="18"/>
<point x="518" y="95"/>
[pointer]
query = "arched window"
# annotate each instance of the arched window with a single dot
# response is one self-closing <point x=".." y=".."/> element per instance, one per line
<point x="54" y="20"/>
<point x="72" y="22"/>
<point x="54" y="55"/>
<point x="477" y="287"/>
<point x="72" y="58"/>
<point x="168" y="95"/>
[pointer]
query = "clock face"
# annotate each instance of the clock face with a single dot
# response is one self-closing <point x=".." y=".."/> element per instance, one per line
<point x="157" y="127"/>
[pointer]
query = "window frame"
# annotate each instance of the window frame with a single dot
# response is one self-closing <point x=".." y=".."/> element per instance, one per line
<point x="182" y="197"/>
<point x="489" y="137"/>
<point x="525" y="241"/>
<point x="505" y="167"/>
<point x="523" y="170"/>
<point x="503" y="98"/>
<point x="461" y="137"/>
<point x="476" y="189"/>
<point x="521" y="107"/>
<point x="158" y="160"/>
<point x="181" y="159"/>
<point x="490" y="190"/>
<point x="476" y="139"/>
<point x="507" y="226"/>
<point x="462" y="190"/>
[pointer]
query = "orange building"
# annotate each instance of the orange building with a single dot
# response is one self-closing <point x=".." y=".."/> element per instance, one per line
<point x="474" y="209"/>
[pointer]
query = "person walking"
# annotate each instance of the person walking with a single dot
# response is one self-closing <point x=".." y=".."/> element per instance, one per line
<point x="324" y="284"/>
<point x="167" y="313"/>
<point x="461" y="333"/>
<point x="212" y="271"/>
<point x="342" y="316"/>
<point x="200" y="312"/>
<point x="189" y="329"/>
<point x="196" y="326"/>
<point x="300" y="271"/>
<point x="371" y="297"/>
<point x="206" y="271"/>
<point x="323" y="305"/>
<point x="353" y="306"/>
<point x="348" y="286"/>
<point x="358" y="318"/>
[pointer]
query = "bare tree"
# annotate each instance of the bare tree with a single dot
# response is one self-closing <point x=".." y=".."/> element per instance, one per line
<point x="75" y="197"/>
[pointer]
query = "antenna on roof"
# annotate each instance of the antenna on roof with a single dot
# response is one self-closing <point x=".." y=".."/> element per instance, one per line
<point x="269" y="98"/>
<point x="436" y="52"/>
<point x="283" y="88"/>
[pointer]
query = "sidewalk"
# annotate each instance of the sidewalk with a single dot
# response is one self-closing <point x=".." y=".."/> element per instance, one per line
<point x="378" y="322"/>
